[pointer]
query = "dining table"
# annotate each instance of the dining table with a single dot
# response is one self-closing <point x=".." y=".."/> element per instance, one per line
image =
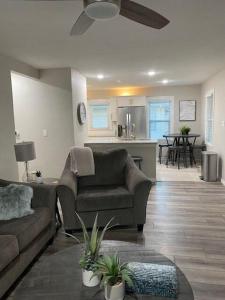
<point x="184" y="141"/>
<point x="185" y="138"/>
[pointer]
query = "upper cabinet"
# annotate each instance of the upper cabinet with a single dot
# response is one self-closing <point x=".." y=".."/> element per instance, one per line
<point x="131" y="101"/>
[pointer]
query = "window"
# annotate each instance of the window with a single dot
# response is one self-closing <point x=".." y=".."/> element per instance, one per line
<point x="159" y="118"/>
<point x="99" y="116"/>
<point x="209" y="118"/>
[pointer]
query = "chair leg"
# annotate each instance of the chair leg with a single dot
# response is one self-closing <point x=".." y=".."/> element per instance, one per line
<point x="185" y="159"/>
<point x="160" y="155"/>
<point x="140" y="227"/>
<point x="191" y="160"/>
<point x="193" y="157"/>
<point x="167" y="158"/>
<point x="173" y="158"/>
<point x="178" y="159"/>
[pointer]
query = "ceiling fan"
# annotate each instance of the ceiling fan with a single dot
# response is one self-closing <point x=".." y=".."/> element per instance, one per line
<point x="106" y="9"/>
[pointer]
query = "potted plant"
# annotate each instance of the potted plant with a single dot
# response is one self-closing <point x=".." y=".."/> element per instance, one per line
<point x="114" y="276"/>
<point x="39" y="178"/>
<point x="90" y="256"/>
<point x="185" y="130"/>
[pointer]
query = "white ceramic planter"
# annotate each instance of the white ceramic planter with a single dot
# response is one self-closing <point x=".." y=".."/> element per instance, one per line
<point x="116" y="292"/>
<point x="88" y="280"/>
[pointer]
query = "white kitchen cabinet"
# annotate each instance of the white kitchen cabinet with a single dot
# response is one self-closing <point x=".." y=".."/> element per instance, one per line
<point x="131" y="101"/>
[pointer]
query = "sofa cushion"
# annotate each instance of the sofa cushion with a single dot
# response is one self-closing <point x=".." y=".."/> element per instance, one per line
<point x="9" y="250"/>
<point x="109" y="169"/>
<point x="26" y="229"/>
<point x="103" y="198"/>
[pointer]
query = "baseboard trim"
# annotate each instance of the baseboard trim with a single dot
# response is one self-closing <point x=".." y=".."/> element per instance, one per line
<point x="223" y="181"/>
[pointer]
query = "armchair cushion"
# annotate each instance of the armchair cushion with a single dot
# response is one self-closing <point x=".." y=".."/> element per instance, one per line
<point x="109" y="169"/>
<point x="104" y="198"/>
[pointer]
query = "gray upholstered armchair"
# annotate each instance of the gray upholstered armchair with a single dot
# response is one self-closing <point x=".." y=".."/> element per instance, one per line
<point x="118" y="189"/>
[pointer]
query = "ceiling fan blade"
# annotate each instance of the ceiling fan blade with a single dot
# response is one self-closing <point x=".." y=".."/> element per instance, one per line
<point x="82" y="24"/>
<point x="142" y="14"/>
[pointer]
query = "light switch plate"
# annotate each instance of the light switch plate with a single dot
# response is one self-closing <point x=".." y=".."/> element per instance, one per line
<point x="45" y="132"/>
<point x="223" y="123"/>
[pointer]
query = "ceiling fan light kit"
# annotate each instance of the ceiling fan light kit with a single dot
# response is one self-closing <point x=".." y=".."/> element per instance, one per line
<point x="107" y="9"/>
<point x="102" y="9"/>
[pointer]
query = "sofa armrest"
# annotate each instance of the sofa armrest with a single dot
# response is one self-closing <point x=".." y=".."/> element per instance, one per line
<point x="44" y="196"/>
<point x="67" y="193"/>
<point x="139" y="185"/>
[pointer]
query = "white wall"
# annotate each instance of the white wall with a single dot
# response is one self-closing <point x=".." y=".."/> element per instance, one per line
<point x="79" y="92"/>
<point x="191" y="92"/>
<point x="45" y="104"/>
<point x="8" y="166"/>
<point x="217" y="83"/>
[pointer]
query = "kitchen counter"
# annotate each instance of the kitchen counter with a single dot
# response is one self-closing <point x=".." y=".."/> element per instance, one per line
<point x="144" y="148"/>
<point x="119" y="141"/>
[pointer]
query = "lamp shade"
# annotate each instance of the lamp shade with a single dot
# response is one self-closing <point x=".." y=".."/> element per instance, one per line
<point x="25" y="151"/>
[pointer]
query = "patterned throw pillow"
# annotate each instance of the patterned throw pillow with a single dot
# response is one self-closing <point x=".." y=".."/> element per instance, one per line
<point x="15" y="201"/>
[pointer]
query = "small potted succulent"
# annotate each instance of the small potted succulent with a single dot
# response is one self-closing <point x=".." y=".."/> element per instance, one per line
<point x="114" y="275"/>
<point x="90" y="256"/>
<point x="185" y="130"/>
<point x="39" y="178"/>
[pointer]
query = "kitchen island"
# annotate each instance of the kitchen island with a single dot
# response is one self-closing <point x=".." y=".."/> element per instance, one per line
<point x="144" y="147"/>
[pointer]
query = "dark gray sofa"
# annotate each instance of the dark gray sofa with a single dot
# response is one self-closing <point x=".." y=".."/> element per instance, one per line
<point x="118" y="189"/>
<point x="23" y="239"/>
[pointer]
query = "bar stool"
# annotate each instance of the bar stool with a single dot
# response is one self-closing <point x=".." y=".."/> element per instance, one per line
<point x="138" y="160"/>
<point x="161" y="146"/>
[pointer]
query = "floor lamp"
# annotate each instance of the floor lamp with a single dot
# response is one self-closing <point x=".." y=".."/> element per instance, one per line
<point x="25" y="152"/>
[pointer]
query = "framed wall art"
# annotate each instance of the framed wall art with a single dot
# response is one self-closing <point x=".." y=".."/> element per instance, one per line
<point x="187" y="110"/>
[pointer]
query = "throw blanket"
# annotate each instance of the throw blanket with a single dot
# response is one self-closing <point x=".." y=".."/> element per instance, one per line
<point x="82" y="161"/>
<point x="153" y="279"/>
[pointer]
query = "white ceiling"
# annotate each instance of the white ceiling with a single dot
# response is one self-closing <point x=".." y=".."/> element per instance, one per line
<point x="187" y="51"/>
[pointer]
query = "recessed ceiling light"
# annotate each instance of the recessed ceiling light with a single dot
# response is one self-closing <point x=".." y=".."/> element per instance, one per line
<point x="119" y="81"/>
<point x="151" y="73"/>
<point x="100" y="76"/>
<point x="165" y="81"/>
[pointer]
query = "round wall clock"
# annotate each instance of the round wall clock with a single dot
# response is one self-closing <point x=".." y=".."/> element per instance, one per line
<point x="81" y="113"/>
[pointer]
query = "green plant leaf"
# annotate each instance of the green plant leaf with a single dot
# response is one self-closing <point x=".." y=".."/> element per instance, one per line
<point x="94" y="237"/>
<point x="85" y="233"/>
<point x="72" y="236"/>
<point x="103" y="233"/>
<point x="112" y="270"/>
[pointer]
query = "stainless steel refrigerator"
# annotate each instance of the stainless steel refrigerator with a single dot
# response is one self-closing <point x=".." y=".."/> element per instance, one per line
<point x="132" y="119"/>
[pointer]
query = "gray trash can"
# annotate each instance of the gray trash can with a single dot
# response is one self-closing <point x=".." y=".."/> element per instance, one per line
<point x="209" y="166"/>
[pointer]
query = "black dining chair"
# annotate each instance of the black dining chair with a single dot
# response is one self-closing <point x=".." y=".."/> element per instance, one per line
<point x="174" y="154"/>
<point x="161" y="147"/>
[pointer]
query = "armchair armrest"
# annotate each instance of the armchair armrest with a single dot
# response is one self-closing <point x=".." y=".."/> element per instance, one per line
<point x="67" y="193"/>
<point x="139" y="185"/>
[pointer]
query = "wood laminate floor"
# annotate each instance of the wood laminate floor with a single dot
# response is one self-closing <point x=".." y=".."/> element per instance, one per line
<point x="171" y="173"/>
<point x="185" y="222"/>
